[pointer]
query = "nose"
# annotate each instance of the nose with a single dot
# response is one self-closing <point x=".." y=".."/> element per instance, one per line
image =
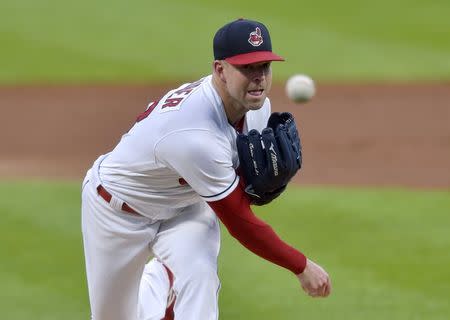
<point x="258" y="74"/>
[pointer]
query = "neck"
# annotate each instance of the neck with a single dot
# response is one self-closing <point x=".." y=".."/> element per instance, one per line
<point x="232" y="110"/>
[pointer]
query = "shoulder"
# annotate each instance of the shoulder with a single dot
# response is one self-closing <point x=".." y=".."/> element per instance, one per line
<point x="186" y="107"/>
<point x="257" y="119"/>
<point x="193" y="144"/>
<point x="175" y="98"/>
<point x="267" y="107"/>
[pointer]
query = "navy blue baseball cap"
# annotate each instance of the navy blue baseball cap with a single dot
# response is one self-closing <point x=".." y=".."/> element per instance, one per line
<point x="244" y="42"/>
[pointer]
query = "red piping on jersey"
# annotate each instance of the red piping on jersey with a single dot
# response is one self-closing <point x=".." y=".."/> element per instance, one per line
<point x="235" y="213"/>
<point x="239" y="126"/>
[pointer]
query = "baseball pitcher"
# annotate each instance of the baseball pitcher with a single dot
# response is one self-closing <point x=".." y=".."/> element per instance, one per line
<point x="203" y="153"/>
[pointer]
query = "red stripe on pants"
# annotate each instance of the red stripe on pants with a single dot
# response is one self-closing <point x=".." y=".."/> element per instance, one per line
<point x="170" y="314"/>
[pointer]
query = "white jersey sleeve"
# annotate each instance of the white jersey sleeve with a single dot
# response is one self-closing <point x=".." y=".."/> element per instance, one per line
<point x="202" y="158"/>
<point x="257" y="119"/>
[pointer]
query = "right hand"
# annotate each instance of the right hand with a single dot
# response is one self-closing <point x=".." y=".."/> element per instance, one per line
<point x="314" y="280"/>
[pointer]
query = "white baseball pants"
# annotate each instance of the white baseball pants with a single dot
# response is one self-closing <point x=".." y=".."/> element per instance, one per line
<point x="117" y="246"/>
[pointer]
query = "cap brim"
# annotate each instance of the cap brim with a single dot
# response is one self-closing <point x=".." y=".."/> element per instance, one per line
<point x="253" y="57"/>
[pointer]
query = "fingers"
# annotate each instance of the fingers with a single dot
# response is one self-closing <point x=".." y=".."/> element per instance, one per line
<point x="328" y="288"/>
<point x="272" y="153"/>
<point x="321" y="291"/>
<point x="274" y="120"/>
<point x="255" y="148"/>
<point x="287" y="152"/>
<point x="325" y="290"/>
<point x="315" y="280"/>
<point x="245" y="157"/>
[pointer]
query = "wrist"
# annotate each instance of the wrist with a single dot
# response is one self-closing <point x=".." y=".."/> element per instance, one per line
<point x="301" y="264"/>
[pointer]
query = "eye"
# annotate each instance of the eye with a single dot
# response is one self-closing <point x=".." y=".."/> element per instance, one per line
<point x="256" y="67"/>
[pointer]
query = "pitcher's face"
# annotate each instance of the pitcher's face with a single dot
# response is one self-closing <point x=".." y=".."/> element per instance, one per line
<point x="248" y="85"/>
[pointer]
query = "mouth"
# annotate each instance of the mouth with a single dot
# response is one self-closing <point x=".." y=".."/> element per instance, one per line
<point x="256" y="93"/>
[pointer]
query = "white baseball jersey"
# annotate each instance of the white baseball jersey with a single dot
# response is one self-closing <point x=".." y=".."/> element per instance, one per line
<point x="182" y="150"/>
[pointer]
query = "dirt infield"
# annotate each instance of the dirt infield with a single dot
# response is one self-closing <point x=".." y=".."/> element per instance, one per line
<point x="378" y="135"/>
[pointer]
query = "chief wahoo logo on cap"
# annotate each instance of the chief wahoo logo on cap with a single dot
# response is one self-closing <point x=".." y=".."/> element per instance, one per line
<point x="255" y="38"/>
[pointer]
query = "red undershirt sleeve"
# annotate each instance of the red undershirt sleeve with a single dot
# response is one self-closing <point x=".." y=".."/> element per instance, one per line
<point x="235" y="213"/>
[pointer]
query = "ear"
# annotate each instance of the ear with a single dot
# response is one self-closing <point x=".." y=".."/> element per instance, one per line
<point x="219" y="69"/>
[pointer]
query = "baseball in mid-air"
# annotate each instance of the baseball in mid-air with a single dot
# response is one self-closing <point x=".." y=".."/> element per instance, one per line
<point x="300" y="88"/>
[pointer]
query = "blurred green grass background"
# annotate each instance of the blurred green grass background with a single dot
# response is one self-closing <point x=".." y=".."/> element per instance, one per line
<point x="151" y="41"/>
<point x="386" y="250"/>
